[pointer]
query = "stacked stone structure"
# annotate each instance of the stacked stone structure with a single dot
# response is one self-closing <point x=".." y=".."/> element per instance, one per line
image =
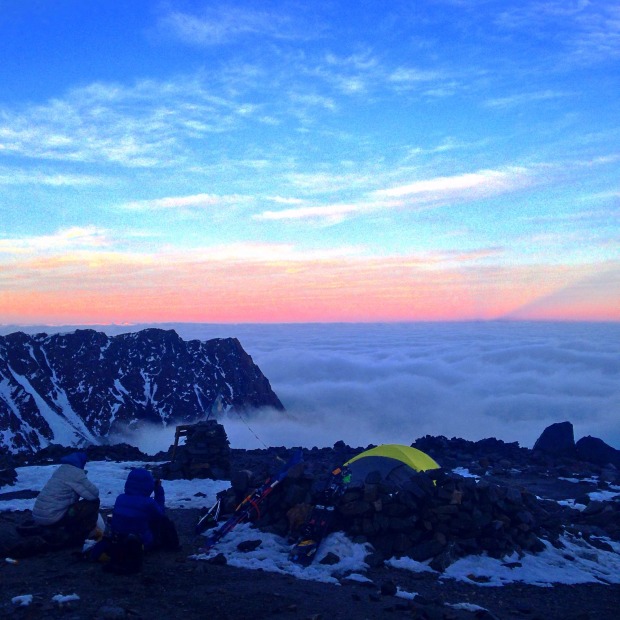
<point x="436" y="516"/>
<point x="205" y="453"/>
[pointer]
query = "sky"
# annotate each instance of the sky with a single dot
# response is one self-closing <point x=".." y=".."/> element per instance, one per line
<point x="576" y="562"/>
<point x="284" y="162"/>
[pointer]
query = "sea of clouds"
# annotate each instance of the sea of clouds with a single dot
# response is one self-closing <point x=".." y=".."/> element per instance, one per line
<point x="392" y="383"/>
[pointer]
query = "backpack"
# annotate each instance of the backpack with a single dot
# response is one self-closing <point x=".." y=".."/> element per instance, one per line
<point x="125" y="553"/>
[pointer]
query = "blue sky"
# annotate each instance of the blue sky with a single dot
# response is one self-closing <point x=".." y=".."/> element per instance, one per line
<point x="280" y="162"/>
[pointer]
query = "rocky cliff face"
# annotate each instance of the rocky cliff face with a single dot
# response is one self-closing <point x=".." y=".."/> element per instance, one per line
<point x="77" y="388"/>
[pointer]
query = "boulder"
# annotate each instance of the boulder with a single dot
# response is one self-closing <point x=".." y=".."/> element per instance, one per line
<point x="557" y="440"/>
<point x="594" y="450"/>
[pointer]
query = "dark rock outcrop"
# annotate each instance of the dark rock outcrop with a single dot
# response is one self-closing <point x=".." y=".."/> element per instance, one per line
<point x="77" y="388"/>
<point x="595" y="450"/>
<point x="8" y="475"/>
<point x="486" y="453"/>
<point x="557" y="440"/>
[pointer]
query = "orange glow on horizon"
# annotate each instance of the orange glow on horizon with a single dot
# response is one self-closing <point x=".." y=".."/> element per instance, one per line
<point x="319" y="291"/>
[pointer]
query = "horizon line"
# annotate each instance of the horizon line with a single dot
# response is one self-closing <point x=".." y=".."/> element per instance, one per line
<point x="318" y="322"/>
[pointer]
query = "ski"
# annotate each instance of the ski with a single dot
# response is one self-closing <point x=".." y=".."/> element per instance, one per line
<point x="321" y="517"/>
<point x="251" y="504"/>
<point x="211" y="517"/>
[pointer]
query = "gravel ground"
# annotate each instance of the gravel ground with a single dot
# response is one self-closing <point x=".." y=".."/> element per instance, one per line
<point x="171" y="585"/>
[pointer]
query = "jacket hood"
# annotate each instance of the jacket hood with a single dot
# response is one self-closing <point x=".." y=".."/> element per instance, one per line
<point x="77" y="459"/>
<point x="139" y="482"/>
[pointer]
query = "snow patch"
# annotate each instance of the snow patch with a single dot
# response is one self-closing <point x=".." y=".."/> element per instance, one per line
<point x="23" y="600"/>
<point x="66" y="431"/>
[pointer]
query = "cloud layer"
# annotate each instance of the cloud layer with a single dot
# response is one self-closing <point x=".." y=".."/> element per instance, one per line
<point x="392" y="383"/>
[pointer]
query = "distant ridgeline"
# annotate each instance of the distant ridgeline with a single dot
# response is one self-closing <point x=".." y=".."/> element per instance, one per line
<point x="76" y="388"/>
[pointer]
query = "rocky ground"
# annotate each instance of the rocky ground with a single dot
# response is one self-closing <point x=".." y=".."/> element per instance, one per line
<point x="172" y="585"/>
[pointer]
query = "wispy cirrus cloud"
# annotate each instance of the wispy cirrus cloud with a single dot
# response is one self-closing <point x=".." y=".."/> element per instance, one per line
<point x="329" y="182"/>
<point x="435" y="83"/>
<point x="70" y="131"/>
<point x="20" y="176"/>
<point x="520" y="99"/>
<point x="485" y="182"/>
<point x="269" y="253"/>
<point x="426" y="193"/>
<point x="592" y="216"/>
<point x="157" y="123"/>
<point x="608" y="195"/>
<point x="350" y="75"/>
<point x="447" y="144"/>
<point x="286" y="200"/>
<point x="410" y="75"/>
<point x="196" y="201"/>
<point x="367" y="73"/>
<point x="61" y="241"/>
<point x="598" y="35"/>
<point x="76" y="244"/>
<point x="223" y="24"/>
<point x="586" y="32"/>
<point x="314" y="101"/>
<point x="147" y="124"/>
<point x="331" y="213"/>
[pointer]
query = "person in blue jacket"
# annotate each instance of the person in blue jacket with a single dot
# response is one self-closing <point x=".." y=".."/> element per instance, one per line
<point x="136" y="512"/>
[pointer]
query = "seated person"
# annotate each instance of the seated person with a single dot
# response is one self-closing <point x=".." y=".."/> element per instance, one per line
<point x="136" y="512"/>
<point x="69" y="501"/>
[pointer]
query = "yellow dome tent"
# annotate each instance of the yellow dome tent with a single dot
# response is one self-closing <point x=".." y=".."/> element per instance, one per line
<point x="393" y="462"/>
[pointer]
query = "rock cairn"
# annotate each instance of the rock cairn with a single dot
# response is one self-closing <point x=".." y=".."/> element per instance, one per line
<point x="205" y="454"/>
<point x="435" y="516"/>
<point x="441" y="517"/>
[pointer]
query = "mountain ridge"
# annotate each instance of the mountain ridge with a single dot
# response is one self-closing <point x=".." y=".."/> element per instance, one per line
<point x="77" y="388"/>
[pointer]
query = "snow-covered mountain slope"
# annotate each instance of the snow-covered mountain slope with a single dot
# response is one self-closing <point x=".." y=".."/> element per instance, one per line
<point x="78" y="387"/>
